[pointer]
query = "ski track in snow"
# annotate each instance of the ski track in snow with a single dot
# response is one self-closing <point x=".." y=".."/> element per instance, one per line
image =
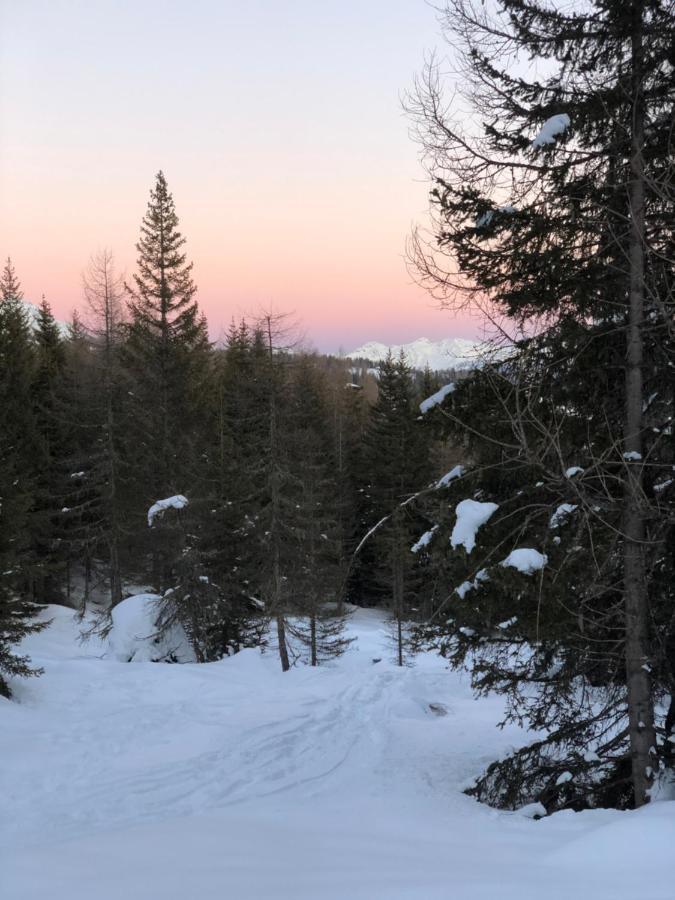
<point x="143" y="780"/>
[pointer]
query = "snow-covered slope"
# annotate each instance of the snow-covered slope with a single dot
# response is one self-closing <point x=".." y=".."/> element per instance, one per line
<point x="451" y="353"/>
<point x="147" y="781"/>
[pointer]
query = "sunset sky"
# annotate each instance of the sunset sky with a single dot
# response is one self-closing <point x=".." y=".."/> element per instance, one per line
<point x="278" y="125"/>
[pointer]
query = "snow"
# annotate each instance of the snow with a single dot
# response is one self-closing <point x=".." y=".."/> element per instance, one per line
<point x="424" y="540"/>
<point x="133" y="635"/>
<point x="159" y="508"/>
<point x="526" y="560"/>
<point x="560" y="515"/>
<point x="455" y="472"/>
<point x="572" y="471"/>
<point x="471" y="514"/>
<point x="488" y="216"/>
<point x="232" y="779"/>
<point x="467" y="586"/>
<point x="632" y="456"/>
<point x="437" y="398"/>
<point x="551" y="129"/>
<point x="449" y="353"/>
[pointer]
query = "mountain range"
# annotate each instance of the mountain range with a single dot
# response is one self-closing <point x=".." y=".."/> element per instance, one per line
<point x="449" y="353"/>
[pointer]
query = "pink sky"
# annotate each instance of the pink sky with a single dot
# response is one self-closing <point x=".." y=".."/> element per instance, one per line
<point x="279" y="129"/>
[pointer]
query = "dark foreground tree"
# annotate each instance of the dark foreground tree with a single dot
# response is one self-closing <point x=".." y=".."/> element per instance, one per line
<point x="556" y="209"/>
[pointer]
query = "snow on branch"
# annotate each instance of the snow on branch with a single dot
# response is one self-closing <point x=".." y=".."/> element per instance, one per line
<point x="526" y="560"/>
<point x="424" y="540"/>
<point x="437" y="398"/>
<point x="456" y="472"/>
<point x="160" y="507"/>
<point x="471" y="514"/>
<point x="550" y="129"/>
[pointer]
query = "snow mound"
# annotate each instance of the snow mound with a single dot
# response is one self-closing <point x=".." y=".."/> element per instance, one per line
<point x="551" y="129"/>
<point x="526" y="560"/>
<point x="471" y="514"/>
<point x="437" y="398"/>
<point x="160" y="507"/>
<point x="133" y="636"/>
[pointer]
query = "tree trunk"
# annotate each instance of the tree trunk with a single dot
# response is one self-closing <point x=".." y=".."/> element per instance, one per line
<point x="312" y="634"/>
<point x="283" y="647"/>
<point x="639" y="695"/>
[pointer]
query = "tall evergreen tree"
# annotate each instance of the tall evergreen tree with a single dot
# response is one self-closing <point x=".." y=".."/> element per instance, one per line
<point x="17" y="446"/>
<point x="551" y="210"/>
<point x="167" y="357"/>
<point x="53" y="444"/>
<point x="396" y="452"/>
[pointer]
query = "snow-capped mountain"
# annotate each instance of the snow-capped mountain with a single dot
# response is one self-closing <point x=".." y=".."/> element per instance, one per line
<point x="32" y="312"/>
<point x="450" y="353"/>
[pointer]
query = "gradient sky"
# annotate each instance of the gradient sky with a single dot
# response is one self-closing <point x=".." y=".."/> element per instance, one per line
<point x="279" y="128"/>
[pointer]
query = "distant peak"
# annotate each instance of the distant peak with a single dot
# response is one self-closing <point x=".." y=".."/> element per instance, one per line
<point x="447" y="353"/>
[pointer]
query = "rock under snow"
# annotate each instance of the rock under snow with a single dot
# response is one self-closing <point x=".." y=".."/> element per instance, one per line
<point x="133" y="636"/>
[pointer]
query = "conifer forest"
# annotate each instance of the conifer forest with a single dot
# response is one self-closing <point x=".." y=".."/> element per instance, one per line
<point x="277" y="622"/>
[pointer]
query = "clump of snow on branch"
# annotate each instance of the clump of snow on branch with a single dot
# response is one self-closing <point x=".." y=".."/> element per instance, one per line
<point x="572" y="471"/>
<point x="526" y="560"/>
<point x="457" y="472"/>
<point x="471" y="514"/>
<point x="551" y="129"/>
<point x="424" y="540"/>
<point x="160" y="507"/>
<point x="632" y="456"/>
<point x="437" y="398"/>
<point x="486" y="217"/>
<point x="561" y="514"/>
<point x="467" y="586"/>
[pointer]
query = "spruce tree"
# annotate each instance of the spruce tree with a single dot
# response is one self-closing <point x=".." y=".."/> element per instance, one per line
<point x="167" y="358"/>
<point x="17" y="437"/>
<point x="553" y="209"/>
<point x="316" y="576"/>
<point x="397" y="466"/>
<point x="53" y="444"/>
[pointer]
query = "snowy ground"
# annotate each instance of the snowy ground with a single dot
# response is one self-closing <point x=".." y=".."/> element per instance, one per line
<point x="230" y="780"/>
